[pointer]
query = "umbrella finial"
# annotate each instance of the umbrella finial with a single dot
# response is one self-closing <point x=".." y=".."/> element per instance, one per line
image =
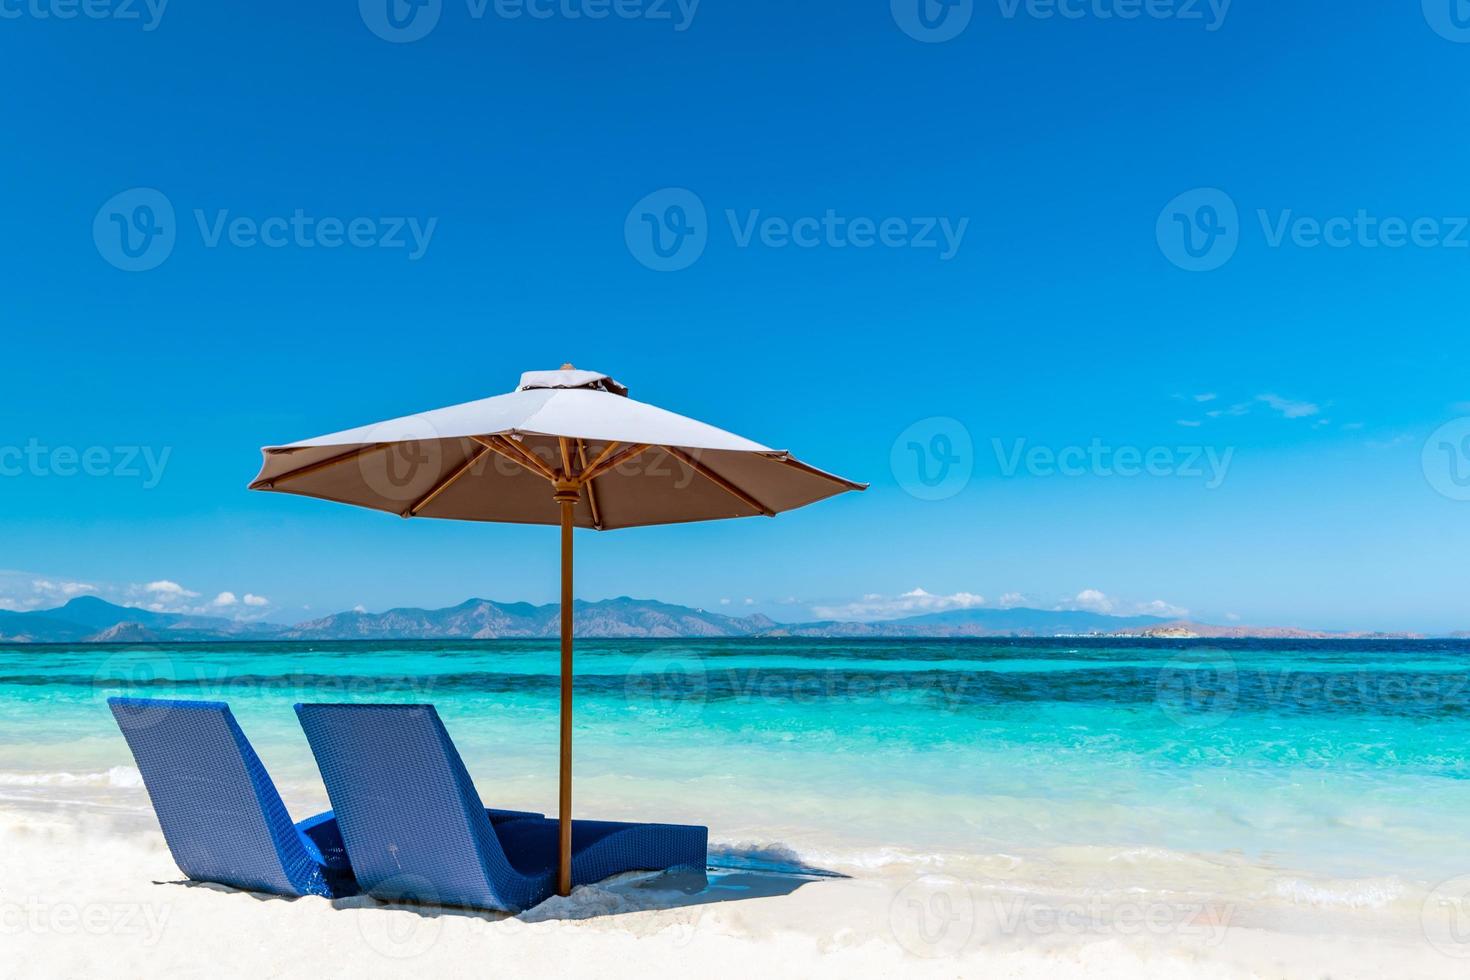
<point x="568" y="367"/>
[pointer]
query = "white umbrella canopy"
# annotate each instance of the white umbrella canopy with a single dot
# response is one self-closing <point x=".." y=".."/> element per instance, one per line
<point x="491" y="460"/>
<point x="566" y="447"/>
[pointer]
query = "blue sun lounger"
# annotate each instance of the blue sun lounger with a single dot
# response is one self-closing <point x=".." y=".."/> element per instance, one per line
<point x="417" y="830"/>
<point x="220" y="813"/>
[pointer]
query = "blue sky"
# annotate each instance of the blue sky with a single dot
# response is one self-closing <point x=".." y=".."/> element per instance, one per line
<point x="1309" y="336"/>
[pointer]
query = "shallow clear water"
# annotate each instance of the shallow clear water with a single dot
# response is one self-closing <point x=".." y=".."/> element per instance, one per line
<point x="1347" y="759"/>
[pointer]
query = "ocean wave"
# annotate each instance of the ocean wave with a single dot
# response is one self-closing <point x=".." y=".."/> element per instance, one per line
<point x="1363" y="893"/>
<point x="118" y="777"/>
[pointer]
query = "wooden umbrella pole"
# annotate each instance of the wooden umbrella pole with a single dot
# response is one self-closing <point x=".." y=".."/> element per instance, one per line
<point x="567" y="495"/>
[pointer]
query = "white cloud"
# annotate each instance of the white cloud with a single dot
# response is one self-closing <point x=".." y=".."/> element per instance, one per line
<point x="1092" y="600"/>
<point x="725" y="601"/>
<point x="1234" y="411"/>
<point x="1233" y="617"/>
<point x="1206" y="397"/>
<point x="1189" y="423"/>
<point x="163" y="587"/>
<point x="912" y="603"/>
<point x="64" y="589"/>
<point x="360" y="608"/>
<point x="1159" y="607"/>
<point x="1097" y="601"/>
<point x="24" y="591"/>
<point x="1288" y="408"/>
<point x="748" y="601"/>
<point x="1010" y="600"/>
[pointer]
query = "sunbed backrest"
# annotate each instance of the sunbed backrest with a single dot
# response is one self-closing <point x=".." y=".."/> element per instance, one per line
<point x="220" y="812"/>
<point x="413" y="824"/>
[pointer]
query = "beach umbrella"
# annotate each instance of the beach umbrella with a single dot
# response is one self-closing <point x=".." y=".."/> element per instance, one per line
<point x="566" y="447"/>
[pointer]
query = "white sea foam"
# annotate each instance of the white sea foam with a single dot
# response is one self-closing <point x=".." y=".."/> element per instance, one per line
<point x="118" y="777"/>
<point x="1363" y="893"/>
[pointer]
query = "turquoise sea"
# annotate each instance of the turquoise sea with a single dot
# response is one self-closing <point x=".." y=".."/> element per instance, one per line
<point x="1336" y="761"/>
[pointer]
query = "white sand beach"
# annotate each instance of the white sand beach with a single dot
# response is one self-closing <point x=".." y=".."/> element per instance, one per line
<point x="89" y="889"/>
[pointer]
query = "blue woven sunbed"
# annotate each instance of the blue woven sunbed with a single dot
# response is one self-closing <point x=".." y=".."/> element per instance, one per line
<point x="417" y="830"/>
<point x="220" y="813"/>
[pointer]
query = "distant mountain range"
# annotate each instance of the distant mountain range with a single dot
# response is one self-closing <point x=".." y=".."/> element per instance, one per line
<point x="88" y="619"/>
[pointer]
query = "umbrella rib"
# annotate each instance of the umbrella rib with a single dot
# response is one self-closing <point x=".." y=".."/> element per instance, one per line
<point x="516" y="454"/>
<point x="566" y="457"/>
<point x="445" y="483"/>
<point x="607" y="451"/>
<point x="787" y="460"/>
<point x="605" y="463"/>
<point x="591" y="493"/>
<point x="318" y="465"/>
<point x="718" y="480"/>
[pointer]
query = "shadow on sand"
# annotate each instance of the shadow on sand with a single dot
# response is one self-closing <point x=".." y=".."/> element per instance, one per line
<point x="735" y="874"/>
